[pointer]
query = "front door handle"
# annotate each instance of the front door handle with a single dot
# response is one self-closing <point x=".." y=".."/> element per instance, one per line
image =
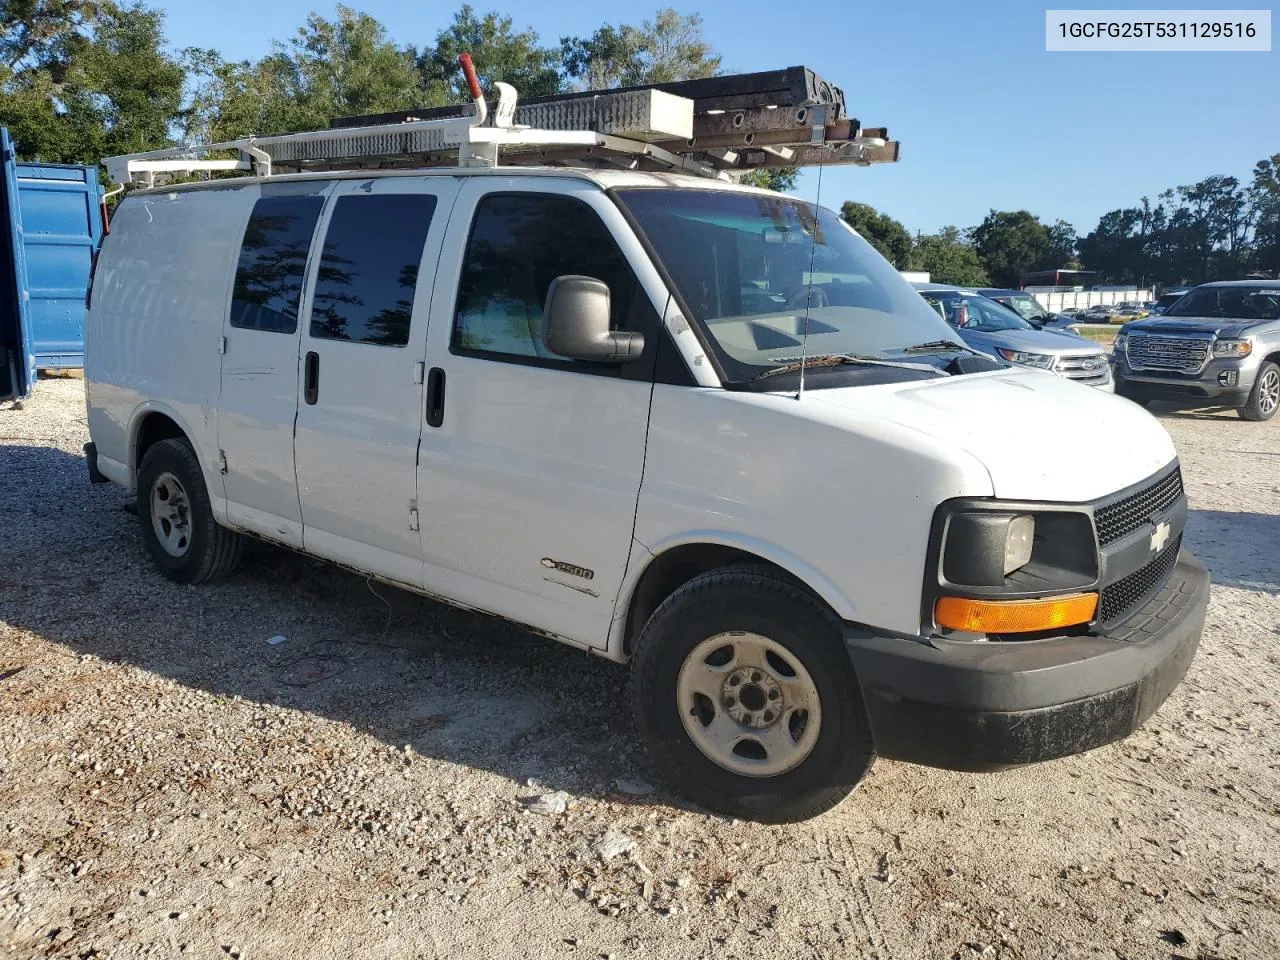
<point x="311" y="378"/>
<point x="435" y="397"/>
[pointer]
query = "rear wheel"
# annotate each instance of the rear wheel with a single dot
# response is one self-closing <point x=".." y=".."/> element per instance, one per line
<point x="747" y="698"/>
<point x="184" y="540"/>
<point x="1264" y="398"/>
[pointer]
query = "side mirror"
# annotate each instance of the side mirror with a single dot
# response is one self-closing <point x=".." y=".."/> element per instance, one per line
<point x="575" y="323"/>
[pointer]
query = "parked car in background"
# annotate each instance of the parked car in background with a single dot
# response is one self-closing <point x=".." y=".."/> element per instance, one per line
<point x="1168" y="298"/>
<point x="1128" y="310"/>
<point x="1098" y="313"/>
<point x="1027" y="307"/>
<point x="993" y="328"/>
<point x="1218" y="345"/>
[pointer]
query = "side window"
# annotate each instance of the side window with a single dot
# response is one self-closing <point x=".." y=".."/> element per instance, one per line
<point x="520" y="243"/>
<point x="369" y="268"/>
<point x="273" y="261"/>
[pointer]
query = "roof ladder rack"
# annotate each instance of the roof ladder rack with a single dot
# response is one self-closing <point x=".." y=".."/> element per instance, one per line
<point x="718" y="127"/>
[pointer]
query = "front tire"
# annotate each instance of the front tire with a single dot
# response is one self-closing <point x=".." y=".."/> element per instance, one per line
<point x="1264" y="398"/>
<point x="746" y="696"/>
<point x="178" y="528"/>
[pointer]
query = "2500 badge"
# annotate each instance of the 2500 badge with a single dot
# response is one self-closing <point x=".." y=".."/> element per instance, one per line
<point x="572" y="569"/>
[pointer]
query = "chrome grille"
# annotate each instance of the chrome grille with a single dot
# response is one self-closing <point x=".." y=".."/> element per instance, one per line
<point x="1089" y="368"/>
<point x="1119" y="519"/>
<point x="1185" y="354"/>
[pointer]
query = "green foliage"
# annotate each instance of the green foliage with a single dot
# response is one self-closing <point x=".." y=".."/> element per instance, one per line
<point x="668" y="47"/>
<point x="880" y="230"/>
<point x="781" y="179"/>
<point x="1217" y="228"/>
<point x="1265" y="196"/>
<point x="1012" y="242"/>
<point x="949" y="258"/>
<point x="81" y="80"/>
<point x="329" y="68"/>
<point x="499" y="52"/>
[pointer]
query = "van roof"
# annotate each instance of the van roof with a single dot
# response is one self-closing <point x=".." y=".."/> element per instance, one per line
<point x="605" y="179"/>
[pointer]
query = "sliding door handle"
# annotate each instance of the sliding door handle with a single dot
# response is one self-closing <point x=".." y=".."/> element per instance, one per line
<point x="435" y="397"/>
<point x="311" y="377"/>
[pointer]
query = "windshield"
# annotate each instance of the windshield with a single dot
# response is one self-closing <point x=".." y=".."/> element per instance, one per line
<point x="966" y="311"/>
<point x="745" y="264"/>
<point x="1028" y="307"/>
<point x="1229" y="303"/>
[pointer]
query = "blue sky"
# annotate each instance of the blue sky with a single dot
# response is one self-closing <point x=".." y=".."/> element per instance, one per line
<point x="987" y="117"/>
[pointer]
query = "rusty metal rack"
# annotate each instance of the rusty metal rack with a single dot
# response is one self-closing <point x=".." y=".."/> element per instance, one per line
<point x="716" y="127"/>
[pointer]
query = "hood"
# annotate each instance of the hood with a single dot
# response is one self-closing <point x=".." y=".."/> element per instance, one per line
<point x="1225" y="329"/>
<point x="1054" y="342"/>
<point x="1039" y="436"/>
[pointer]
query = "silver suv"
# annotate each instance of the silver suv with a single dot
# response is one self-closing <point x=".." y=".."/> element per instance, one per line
<point x="1219" y="345"/>
<point x="998" y="331"/>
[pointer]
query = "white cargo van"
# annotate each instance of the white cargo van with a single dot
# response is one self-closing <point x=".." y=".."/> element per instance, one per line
<point x="674" y="421"/>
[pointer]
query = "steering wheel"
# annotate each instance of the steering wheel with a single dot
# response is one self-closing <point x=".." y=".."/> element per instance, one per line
<point x="813" y="297"/>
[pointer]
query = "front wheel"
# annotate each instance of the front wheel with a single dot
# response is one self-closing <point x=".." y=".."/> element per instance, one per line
<point x="1264" y="398"/>
<point x="747" y="698"/>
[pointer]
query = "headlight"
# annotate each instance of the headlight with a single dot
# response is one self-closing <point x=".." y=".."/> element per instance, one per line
<point x="1042" y="361"/>
<point x="984" y="548"/>
<point x="1232" y="348"/>
<point x="1121" y="344"/>
<point x="1017" y="543"/>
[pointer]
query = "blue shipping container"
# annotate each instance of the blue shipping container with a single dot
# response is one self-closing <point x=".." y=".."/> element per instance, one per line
<point x="50" y="228"/>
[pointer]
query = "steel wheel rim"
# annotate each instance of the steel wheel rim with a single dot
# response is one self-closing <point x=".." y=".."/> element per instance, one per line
<point x="171" y="515"/>
<point x="748" y="704"/>
<point x="1269" y="392"/>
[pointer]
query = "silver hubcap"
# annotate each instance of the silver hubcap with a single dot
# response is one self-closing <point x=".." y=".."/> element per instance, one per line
<point x="1269" y="392"/>
<point x="171" y="515"/>
<point x="748" y="704"/>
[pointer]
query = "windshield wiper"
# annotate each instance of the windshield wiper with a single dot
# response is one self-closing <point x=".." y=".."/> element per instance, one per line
<point x="836" y="359"/>
<point x="937" y="346"/>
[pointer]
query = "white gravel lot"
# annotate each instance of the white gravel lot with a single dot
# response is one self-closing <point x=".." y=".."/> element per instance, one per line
<point x="172" y="785"/>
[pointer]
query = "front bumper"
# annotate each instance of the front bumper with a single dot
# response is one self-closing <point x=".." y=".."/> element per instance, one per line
<point x="986" y="706"/>
<point x="1205" y="386"/>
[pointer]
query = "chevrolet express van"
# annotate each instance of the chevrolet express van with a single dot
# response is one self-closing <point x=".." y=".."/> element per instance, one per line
<point x="682" y="423"/>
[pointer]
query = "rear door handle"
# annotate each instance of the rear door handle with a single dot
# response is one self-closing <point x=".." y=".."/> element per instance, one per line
<point x="435" y="397"/>
<point x="311" y="378"/>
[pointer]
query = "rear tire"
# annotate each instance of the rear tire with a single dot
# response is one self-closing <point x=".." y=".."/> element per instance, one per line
<point x="781" y="734"/>
<point x="184" y="540"/>
<point x="1264" y="398"/>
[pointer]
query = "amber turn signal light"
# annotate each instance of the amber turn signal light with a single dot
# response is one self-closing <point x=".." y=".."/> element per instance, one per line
<point x="1014" y="616"/>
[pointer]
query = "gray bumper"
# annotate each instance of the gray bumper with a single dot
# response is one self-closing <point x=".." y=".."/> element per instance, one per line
<point x="1207" y="386"/>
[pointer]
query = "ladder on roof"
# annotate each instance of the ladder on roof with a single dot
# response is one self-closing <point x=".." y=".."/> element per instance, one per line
<point x="718" y="127"/>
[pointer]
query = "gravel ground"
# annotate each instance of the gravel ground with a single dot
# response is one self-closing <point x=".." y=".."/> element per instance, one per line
<point x="171" y="784"/>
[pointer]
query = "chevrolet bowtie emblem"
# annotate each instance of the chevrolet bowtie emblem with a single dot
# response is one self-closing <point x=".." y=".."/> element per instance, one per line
<point x="1159" y="537"/>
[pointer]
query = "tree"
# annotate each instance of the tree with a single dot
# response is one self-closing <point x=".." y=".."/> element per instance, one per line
<point x="781" y="179"/>
<point x="948" y="258"/>
<point x="330" y="68"/>
<point x="880" y="230"/>
<point x="669" y="47"/>
<point x="1011" y="242"/>
<point x="499" y="52"/>
<point x="84" y="80"/>
<point x="1264" y="195"/>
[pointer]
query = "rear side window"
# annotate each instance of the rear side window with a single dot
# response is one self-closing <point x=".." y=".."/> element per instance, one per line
<point x="369" y="268"/>
<point x="520" y="243"/>
<point x="273" y="263"/>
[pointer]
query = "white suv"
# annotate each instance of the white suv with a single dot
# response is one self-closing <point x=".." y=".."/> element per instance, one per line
<point x="696" y="426"/>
